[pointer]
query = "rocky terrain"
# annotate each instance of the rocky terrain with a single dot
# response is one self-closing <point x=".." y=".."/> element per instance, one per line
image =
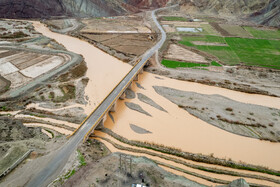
<point x="264" y="12"/>
<point x="269" y="15"/>
<point x="77" y="8"/>
<point x="227" y="7"/>
<point x="16" y="140"/>
<point x="102" y="170"/>
<point x="13" y="130"/>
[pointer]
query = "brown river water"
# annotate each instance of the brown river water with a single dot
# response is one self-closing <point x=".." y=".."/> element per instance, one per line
<point x="177" y="128"/>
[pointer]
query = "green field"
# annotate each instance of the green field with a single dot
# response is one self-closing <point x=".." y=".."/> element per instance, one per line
<point x="265" y="34"/>
<point x="177" y="64"/>
<point x="173" y="18"/>
<point x="253" y="52"/>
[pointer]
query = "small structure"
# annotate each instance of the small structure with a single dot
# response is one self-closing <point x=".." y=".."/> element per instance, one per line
<point x="138" y="185"/>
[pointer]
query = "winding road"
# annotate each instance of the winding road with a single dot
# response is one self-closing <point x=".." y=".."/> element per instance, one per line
<point x="61" y="156"/>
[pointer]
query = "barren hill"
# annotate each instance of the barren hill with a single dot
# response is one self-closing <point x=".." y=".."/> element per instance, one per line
<point x="270" y="15"/>
<point x="265" y="12"/>
<point x="77" y="8"/>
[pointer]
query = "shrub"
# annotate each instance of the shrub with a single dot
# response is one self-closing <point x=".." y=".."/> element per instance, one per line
<point x="229" y="109"/>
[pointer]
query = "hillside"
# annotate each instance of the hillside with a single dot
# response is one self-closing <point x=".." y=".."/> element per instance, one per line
<point x="266" y="12"/>
<point x="270" y="15"/>
<point x="77" y="8"/>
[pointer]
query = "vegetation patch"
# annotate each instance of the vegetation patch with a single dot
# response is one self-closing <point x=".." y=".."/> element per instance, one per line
<point x="74" y="73"/>
<point x="81" y="159"/>
<point x="9" y="35"/>
<point x="69" y="92"/>
<point x="176" y="64"/>
<point x="69" y="174"/>
<point x="214" y="63"/>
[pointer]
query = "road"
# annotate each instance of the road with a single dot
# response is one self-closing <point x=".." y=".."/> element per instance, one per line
<point x="58" y="161"/>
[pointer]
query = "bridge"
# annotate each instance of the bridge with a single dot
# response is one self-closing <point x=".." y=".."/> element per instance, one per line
<point x="98" y="116"/>
<point x="59" y="158"/>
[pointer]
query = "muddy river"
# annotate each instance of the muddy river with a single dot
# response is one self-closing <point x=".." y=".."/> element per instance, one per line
<point x="176" y="127"/>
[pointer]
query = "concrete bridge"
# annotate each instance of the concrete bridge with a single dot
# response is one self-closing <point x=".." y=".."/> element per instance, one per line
<point x="109" y="104"/>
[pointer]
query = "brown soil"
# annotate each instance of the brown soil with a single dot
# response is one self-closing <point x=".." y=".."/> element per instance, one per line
<point x="130" y="44"/>
<point x="220" y="29"/>
<point x="208" y="43"/>
<point x="176" y="52"/>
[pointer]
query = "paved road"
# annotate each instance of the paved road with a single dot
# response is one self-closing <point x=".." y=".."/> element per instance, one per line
<point x="58" y="161"/>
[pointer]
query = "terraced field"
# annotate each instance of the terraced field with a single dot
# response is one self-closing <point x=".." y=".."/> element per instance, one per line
<point x="20" y="67"/>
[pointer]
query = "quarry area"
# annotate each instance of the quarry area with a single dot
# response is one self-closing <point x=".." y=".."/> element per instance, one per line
<point x="205" y="111"/>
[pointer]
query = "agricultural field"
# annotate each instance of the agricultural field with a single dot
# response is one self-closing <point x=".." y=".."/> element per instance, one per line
<point x="179" y="53"/>
<point x="252" y="52"/>
<point x="199" y="28"/>
<point x="122" y="24"/>
<point x="263" y="33"/>
<point x="236" y="30"/>
<point x="174" y="18"/>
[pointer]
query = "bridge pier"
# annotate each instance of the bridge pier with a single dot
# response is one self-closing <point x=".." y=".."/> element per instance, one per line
<point x="113" y="107"/>
<point x="141" y="71"/>
<point x="122" y="97"/>
<point x="101" y="123"/>
<point x="136" y="78"/>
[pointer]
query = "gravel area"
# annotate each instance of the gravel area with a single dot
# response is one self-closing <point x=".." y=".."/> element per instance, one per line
<point x="149" y="101"/>
<point x="139" y="86"/>
<point x="137" y="108"/>
<point x="236" y="117"/>
<point x="129" y="94"/>
<point x="139" y="130"/>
